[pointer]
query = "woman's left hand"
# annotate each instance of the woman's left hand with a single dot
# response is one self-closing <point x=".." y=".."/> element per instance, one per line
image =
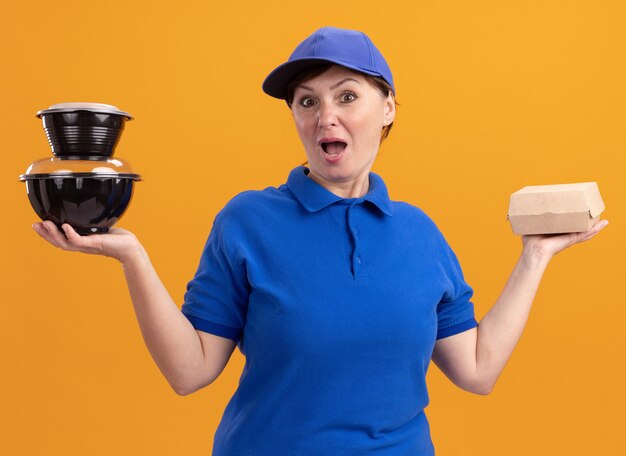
<point x="551" y="244"/>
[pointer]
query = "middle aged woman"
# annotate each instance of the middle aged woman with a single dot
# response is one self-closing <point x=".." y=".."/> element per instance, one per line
<point x="338" y="296"/>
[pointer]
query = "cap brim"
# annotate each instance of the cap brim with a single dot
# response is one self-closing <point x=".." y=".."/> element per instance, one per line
<point x="275" y="83"/>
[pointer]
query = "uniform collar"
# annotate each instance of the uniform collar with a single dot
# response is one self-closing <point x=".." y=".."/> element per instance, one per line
<point x="314" y="197"/>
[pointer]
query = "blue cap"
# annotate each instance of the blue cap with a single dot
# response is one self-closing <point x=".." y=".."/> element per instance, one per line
<point x="348" y="48"/>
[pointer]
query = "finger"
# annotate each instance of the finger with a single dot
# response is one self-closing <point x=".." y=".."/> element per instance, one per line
<point x="118" y="231"/>
<point x="70" y="232"/>
<point x="599" y="226"/>
<point x="80" y="243"/>
<point x="51" y="233"/>
<point x="41" y="230"/>
<point x="61" y="240"/>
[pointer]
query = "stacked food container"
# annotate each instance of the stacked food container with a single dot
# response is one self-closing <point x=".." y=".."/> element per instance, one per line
<point x="82" y="184"/>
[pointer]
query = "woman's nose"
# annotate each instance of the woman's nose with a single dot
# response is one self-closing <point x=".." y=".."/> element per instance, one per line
<point x="327" y="115"/>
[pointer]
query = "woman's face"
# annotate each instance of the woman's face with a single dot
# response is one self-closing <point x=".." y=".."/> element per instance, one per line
<point x="339" y="117"/>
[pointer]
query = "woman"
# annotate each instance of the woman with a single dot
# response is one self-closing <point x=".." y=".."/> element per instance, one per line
<point x="338" y="297"/>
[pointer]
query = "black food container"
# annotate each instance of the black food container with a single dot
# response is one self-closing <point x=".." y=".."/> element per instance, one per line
<point x="83" y="129"/>
<point x="82" y="184"/>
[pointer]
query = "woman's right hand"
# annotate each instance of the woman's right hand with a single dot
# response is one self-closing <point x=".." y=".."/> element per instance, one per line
<point x="117" y="243"/>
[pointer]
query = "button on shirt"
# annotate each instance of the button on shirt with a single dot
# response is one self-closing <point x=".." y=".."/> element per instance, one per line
<point x="336" y="304"/>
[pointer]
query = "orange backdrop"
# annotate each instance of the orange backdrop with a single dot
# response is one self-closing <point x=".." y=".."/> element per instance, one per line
<point x="494" y="95"/>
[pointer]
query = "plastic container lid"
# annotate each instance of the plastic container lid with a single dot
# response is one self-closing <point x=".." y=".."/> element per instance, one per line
<point x="60" y="167"/>
<point x="82" y="106"/>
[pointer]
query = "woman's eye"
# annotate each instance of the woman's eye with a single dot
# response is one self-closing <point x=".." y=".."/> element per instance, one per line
<point x="306" y="102"/>
<point x="347" y="97"/>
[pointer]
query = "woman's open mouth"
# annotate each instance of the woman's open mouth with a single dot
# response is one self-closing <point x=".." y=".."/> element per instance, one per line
<point x="334" y="147"/>
<point x="333" y="150"/>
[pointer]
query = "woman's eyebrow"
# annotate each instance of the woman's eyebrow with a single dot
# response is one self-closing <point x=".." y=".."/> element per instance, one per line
<point x="332" y="87"/>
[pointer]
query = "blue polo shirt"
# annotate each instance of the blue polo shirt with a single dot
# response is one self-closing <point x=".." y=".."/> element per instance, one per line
<point x="336" y="304"/>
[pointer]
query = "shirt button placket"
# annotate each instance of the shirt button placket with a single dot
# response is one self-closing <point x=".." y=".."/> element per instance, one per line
<point x="356" y="256"/>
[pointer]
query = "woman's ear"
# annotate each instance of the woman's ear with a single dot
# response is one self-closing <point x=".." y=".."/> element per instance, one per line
<point x="390" y="109"/>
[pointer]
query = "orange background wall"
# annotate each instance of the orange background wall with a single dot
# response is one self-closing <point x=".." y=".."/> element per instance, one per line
<point x="494" y="95"/>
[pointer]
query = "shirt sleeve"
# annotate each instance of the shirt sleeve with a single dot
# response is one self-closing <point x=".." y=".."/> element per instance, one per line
<point x="455" y="311"/>
<point x="217" y="297"/>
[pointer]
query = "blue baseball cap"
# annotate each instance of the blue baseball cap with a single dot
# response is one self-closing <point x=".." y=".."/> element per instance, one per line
<point x="348" y="48"/>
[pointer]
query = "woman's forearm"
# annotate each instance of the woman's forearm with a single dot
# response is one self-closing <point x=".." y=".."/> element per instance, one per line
<point x="187" y="359"/>
<point x="171" y="339"/>
<point x="501" y="328"/>
<point x="474" y="359"/>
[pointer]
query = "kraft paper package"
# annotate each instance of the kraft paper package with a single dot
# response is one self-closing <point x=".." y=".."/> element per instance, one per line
<point x="551" y="209"/>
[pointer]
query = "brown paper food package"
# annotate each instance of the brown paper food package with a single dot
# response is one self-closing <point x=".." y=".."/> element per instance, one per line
<point x="562" y="208"/>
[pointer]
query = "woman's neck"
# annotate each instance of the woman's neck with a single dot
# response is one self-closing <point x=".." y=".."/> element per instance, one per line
<point x="350" y="189"/>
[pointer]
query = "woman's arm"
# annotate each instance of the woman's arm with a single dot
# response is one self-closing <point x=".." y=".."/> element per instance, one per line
<point x="474" y="359"/>
<point x="188" y="359"/>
